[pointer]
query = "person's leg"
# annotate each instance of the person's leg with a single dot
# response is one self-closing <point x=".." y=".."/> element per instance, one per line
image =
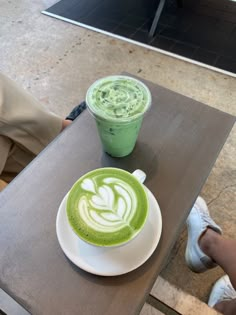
<point x="222" y="251"/>
<point x="24" y="120"/>
<point x="206" y="248"/>
<point x="226" y="307"/>
<point x="2" y="185"/>
<point x="223" y="296"/>
<point x="5" y="148"/>
<point x="197" y="223"/>
<point x="28" y="126"/>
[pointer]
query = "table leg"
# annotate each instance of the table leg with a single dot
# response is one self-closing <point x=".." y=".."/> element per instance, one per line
<point x="156" y="18"/>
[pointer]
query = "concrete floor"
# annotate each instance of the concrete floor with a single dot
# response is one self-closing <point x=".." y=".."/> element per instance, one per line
<point x="57" y="62"/>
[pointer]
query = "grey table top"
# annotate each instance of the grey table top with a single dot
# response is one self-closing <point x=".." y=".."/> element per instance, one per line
<point x="177" y="147"/>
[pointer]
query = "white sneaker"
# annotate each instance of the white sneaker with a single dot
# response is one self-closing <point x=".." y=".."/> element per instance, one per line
<point x="197" y="222"/>
<point x="221" y="291"/>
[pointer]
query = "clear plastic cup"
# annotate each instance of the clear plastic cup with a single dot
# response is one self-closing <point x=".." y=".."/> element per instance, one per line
<point x="118" y="104"/>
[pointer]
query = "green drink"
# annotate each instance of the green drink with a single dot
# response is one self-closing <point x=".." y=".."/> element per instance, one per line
<point x="107" y="207"/>
<point x="118" y="104"/>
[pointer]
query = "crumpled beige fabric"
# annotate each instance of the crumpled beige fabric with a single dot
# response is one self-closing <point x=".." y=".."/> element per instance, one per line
<point x="26" y="128"/>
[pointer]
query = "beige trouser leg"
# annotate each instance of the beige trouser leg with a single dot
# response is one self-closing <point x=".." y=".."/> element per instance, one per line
<point x="25" y="128"/>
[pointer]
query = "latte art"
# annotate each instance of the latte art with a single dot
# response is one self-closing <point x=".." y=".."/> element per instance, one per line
<point x="107" y="207"/>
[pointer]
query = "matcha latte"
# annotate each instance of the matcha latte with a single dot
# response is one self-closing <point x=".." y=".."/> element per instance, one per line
<point x="107" y="207"/>
<point x="118" y="104"/>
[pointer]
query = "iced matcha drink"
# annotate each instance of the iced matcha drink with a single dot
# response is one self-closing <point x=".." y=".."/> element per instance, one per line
<point x="118" y="104"/>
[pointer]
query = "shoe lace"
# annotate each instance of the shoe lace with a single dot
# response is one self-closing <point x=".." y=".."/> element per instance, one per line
<point x="205" y="215"/>
<point x="229" y="292"/>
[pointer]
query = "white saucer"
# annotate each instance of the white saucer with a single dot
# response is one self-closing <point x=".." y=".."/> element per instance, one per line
<point x="110" y="261"/>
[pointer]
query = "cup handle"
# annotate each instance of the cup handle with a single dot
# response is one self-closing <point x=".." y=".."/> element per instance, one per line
<point x="140" y="175"/>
